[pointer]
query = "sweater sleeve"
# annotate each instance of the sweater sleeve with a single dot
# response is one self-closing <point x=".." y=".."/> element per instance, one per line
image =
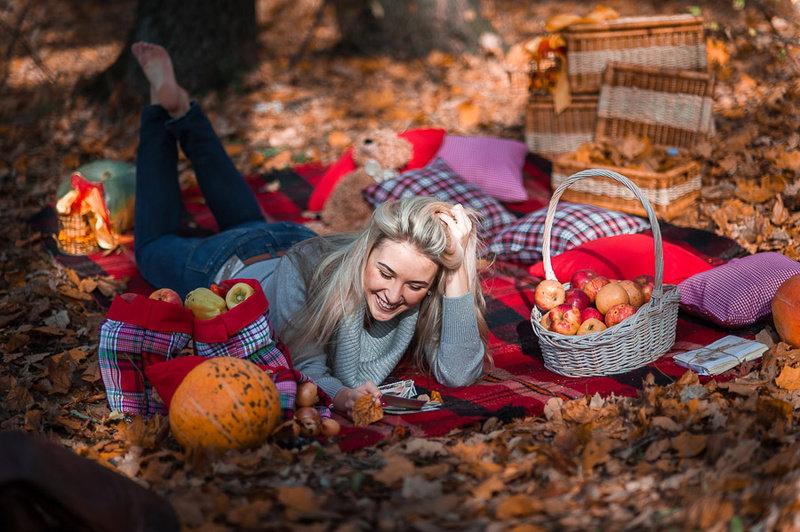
<point x="459" y="358"/>
<point x="286" y="293"/>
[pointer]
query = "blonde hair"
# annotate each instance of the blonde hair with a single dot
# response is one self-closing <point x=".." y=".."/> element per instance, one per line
<point x="335" y="285"/>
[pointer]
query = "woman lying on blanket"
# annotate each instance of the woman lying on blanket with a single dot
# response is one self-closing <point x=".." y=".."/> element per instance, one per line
<point x="348" y="307"/>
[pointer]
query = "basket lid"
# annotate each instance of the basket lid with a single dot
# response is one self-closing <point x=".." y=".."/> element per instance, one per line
<point x="671" y="107"/>
<point x="634" y="23"/>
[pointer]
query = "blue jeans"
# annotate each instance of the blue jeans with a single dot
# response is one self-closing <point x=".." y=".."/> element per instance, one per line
<point x="169" y="260"/>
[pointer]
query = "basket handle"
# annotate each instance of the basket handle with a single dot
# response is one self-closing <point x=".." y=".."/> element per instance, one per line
<point x="584" y="174"/>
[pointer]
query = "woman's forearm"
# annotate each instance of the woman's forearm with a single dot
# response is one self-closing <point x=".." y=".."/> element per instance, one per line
<point x="459" y="358"/>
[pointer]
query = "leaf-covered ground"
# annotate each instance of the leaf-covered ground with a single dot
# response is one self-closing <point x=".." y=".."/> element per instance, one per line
<point x="690" y="455"/>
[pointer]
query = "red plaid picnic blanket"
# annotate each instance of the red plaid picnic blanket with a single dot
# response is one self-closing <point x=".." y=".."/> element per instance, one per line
<point x="519" y="385"/>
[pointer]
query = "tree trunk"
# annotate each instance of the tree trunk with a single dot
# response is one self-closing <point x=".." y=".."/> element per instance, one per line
<point x="210" y="41"/>
<point x="409" y="28"/>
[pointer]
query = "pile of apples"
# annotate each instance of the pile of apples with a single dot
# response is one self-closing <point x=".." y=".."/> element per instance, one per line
<point x="592" y="303"/>
<point x="207" y="303"/>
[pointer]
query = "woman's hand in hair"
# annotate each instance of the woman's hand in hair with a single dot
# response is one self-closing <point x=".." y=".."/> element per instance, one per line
<point x="462" y="243"/>
<point x="346" y="398"/>
<point x="460" y="227"/>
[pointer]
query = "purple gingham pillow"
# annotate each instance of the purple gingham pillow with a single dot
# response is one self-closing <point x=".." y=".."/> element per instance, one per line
<point x="440" y="181"/>
<point x="494" y="164"/>
<point x="574" y="224"/>
<point x="739" y="292"/>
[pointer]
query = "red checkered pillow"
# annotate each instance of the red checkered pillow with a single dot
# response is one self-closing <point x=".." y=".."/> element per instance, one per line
<point x="440" y="181"/>
<point x="573" y="225"/>
<point x="739" y="292"/>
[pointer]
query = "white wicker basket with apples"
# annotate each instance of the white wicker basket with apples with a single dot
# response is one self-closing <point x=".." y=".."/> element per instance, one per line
<point x="632" y="322"/>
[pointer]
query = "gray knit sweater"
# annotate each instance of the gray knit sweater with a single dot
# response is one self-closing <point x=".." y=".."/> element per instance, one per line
<point x="358" y="354"/>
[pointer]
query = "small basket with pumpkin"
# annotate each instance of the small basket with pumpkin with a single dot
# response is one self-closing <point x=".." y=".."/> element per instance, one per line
<point x="627" y="345"/>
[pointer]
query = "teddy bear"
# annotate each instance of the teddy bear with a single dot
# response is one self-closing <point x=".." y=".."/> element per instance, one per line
<point x="378" y="155"/>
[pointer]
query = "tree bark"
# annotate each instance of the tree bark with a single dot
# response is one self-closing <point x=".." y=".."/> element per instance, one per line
<point x="210" y="41"/>
<point x="409" y="28"/>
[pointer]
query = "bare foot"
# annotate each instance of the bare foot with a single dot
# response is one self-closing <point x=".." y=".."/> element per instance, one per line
<point x="164" y="89"/>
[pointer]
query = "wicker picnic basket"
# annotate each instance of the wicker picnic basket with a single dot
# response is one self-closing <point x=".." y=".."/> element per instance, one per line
<point x="637" y="341"/>
<point x="549" y="134"/>
<point x="670" y="107"/>
<point x="674" y="41"/>
<point x="75" y="235"/>
<point x="669" y="193"/>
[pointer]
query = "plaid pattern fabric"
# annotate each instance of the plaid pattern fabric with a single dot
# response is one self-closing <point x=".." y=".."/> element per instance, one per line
<point x="574" y="224"/>
<point x="123" y="352"/>
<point x="253" y="342"/>
<point x="519" y="385"/>
<point x="740" y="292"/>
<point x="440" y="181"/>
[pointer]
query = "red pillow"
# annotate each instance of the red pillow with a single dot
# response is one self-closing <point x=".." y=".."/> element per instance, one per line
<point x="624" y="257"/>
<point x="166" y="376"/>
<point x="425" y="142"/>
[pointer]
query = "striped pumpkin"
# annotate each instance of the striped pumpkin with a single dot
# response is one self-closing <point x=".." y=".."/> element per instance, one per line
<point x="224" y="403"/>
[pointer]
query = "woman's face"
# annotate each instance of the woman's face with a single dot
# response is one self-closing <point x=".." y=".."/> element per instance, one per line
<point x="397" y="277"/>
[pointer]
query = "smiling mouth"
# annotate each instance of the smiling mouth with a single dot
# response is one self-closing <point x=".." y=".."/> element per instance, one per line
<point x="385" y="306"/>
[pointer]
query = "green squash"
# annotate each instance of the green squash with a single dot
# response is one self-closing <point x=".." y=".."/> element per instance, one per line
<point x="119" y="186"/>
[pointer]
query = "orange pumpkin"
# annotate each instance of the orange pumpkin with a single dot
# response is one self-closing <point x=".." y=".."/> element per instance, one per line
<point x="224" y="403"/>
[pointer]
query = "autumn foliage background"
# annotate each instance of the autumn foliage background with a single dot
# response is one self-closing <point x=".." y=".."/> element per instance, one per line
<point x="694" y="455"/>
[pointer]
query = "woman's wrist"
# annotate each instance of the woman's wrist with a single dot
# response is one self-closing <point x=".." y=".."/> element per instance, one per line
<point x="457" y="282"/>
<point x="341" y="399"/>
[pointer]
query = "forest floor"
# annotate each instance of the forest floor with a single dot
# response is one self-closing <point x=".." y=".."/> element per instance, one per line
<point x="719" y="456"/>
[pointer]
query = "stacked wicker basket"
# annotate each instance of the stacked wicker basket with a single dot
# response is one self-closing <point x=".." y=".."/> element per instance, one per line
<point x="640" y="75"/>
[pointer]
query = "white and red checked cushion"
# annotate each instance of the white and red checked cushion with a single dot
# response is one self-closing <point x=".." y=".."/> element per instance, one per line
<point x="440" y="181"/>
<point x="574" y="224"/>
<point x="494" y="164"/>
<point x="739" y="292"/>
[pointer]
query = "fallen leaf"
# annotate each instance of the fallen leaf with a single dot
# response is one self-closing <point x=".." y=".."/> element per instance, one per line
<point x="789" y="379"/>
<point x="780" y="214"/>
<point x="716" y="52"/>
<point x="665" y="423"/>
<point x="770" y="410"/>
<point x="250" y="515"/>
<point x="517" y="506"/>
<point x="298" y="498"/>
<point x="595" y="452"/>
<point x="338" y="140"/>
<point x="486" y="489"/>
<point x="396" y="468"/>
<point x="417" y="487"/>
<point x="469" y="114"/>
<point x="366" y="411"/>
<point x="688" y="445"/>
<point x="18" y="398"/>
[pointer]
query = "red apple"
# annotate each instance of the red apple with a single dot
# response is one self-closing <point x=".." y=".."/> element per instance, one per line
<point x="619" y="314"/>
<point x="566" y="312"/>
<point x="594" y="285"/>
<point x="645" y="284"/>
<point x="590" y="313"/>
<point x="567" y="327"/>
<point x="592" y="325"/>
<point x="581" y="277"/>
<point x="549" y="293"/>
<point x="577" y="298"/>
<point x="167" y="295"/>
